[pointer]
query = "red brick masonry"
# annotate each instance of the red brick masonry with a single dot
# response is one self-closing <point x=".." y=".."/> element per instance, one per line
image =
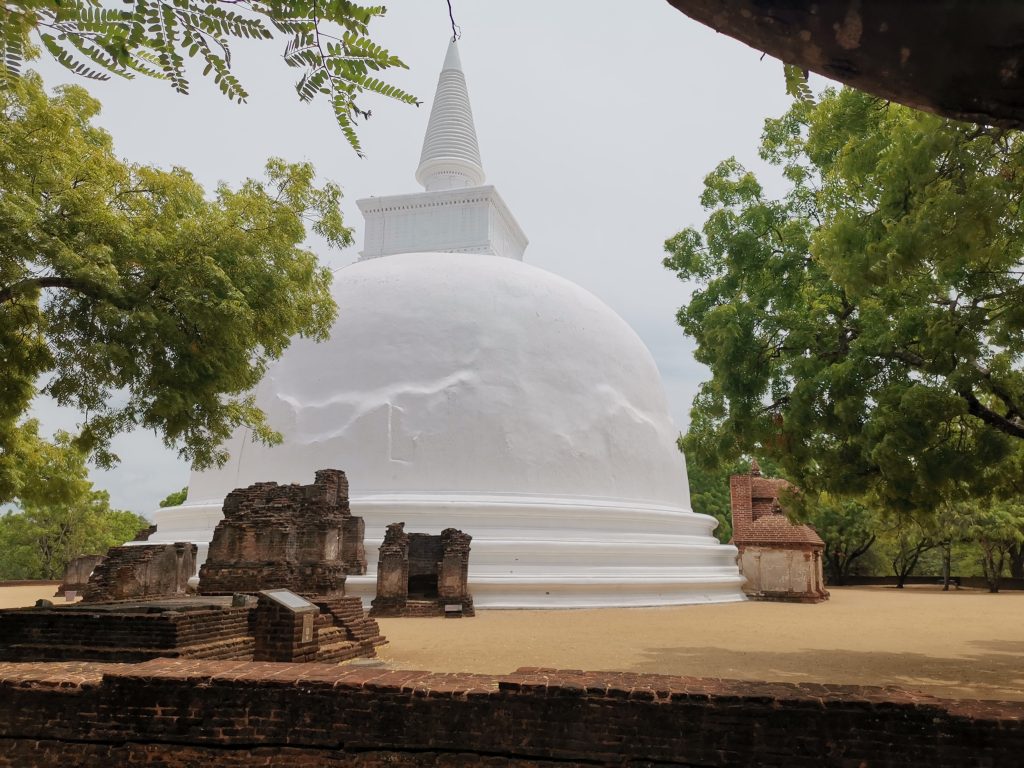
<point x="184" y="713"/>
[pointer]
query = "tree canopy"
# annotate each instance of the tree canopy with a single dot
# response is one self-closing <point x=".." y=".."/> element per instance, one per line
<point x="128" y="294"/>
<point x="327" y="41"/>
<point x="59" y="514"/>
<point x="866" y="328"/>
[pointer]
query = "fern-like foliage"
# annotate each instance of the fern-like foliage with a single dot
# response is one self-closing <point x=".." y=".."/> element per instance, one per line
<point x="328" y="40"/>
<point x="797" y="86"/>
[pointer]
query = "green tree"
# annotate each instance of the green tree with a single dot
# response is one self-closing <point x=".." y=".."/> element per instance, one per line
<point x="849" y="527"/>
<point x="709" y="495"/>
<point x="998" y="528"/>
<point x="39" y="541"/>
<point x="176" y="498"/>
<point x="866" y="328"/>
<point x="59" y="515"/>
<point x="134" y="298"/>
<point x="327" y="40"/>
<point x="905" y="539"/>
<point x="709" y="488"/>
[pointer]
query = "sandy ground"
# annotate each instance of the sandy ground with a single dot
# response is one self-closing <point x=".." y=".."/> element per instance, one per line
<point x="962" y="644"/>
<point x="18" y="597"/>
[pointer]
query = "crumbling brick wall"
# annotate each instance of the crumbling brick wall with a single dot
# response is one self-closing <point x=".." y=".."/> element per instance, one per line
<point x="77" y="572"/>
<point x="142" y="571"/>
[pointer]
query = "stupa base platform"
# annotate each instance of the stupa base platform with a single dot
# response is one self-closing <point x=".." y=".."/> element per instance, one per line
<point x="543" y="552"/>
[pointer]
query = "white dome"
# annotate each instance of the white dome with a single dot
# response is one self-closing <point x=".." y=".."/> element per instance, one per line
<point x="481" y="393"/>
<point x="456" y="373"/>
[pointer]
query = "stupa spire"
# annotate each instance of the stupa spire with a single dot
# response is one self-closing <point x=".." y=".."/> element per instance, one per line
<point x="451" y="155"/>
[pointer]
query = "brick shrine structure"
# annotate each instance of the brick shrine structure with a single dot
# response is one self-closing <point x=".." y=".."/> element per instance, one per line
<point x="781" y="560"/>
<point x="272" y="538"/>
<point x="298" y="537"/>
<point x="419" y="574"/>
<point x="142" y="571"/>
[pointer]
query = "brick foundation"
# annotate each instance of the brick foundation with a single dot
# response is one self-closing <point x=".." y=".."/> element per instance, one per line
<point x="194" y="628"/>
<point x="177" y="713"/>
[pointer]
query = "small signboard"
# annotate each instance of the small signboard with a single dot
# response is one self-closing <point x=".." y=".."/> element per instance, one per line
<point x="289" y="600"/>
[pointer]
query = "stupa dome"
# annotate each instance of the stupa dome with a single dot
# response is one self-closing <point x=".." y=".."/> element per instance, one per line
<point x="462" y="387"/>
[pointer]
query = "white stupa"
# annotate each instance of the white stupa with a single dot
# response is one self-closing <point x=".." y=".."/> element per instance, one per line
<point x="464" y="388"/>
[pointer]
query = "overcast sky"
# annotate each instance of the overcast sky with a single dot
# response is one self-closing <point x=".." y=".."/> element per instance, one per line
<point x="597" y="127"/>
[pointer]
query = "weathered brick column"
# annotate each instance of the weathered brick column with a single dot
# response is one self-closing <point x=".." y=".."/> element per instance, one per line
<point x="285" y="627"/>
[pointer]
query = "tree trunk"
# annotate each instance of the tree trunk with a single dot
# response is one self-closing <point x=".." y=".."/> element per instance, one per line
<point x="992" y="562"/>
<point x="947" y="556"/>
<point x="960" y="59"/>
<point x="834" y="569"/>
<point x="1017" y="561"/>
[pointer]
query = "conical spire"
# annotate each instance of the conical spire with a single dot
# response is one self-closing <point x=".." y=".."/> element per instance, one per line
<point x="755" y="468"/>
<point x="451" y="156"/>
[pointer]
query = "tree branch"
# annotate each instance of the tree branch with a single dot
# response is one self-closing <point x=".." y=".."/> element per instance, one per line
<point x="1011" y="427"/>
<point x="12" y="292"/>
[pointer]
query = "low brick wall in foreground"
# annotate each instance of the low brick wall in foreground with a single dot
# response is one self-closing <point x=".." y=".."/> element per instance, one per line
<point x="176" y="713"/>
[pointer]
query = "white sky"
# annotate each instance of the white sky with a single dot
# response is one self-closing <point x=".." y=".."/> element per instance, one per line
<point x="596" y="125"/>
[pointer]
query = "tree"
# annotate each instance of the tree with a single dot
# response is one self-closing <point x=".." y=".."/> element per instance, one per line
<point x="134" y="298"/>
<point x="956" y="59"/>
<point x="175" y="498"/>
<point x="709" y="495"/>
<point x="906" y="539"/>
<point x="847" y="526"/>
<point x="327" y="40"/>
<point x="59" y="516"/>
<point x="709" y="488"/>
<point x="997" y="527"/>
<point x="866" y="329"/>
<point x="39" y="542"/>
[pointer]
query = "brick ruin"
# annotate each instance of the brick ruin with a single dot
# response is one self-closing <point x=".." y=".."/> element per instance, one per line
<point x="781" y="560"/>
<point x="77" y="572"/>
<point x="298" y="537"/>
<point x="286" y="539"/>
<point x="419" y="574"/>
<point x="142" y="571"/>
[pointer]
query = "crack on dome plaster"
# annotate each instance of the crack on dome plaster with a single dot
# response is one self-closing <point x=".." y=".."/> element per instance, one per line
<point x="360" y="404"/>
